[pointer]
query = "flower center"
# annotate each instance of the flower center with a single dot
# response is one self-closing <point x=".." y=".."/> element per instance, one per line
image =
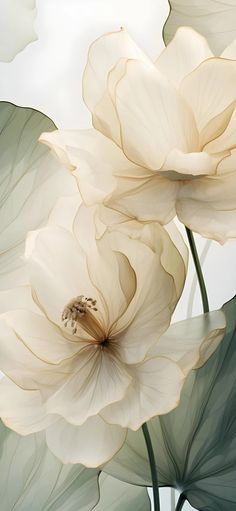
<point x="78" y="313"/>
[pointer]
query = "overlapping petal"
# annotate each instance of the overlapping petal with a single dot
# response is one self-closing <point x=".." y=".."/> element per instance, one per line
<point x="183" y="54"/>
<point x="90" y="444"/>
<point x="176" y="122"/>
<point x="153" y="116"/>
<point x="103" y="55"/>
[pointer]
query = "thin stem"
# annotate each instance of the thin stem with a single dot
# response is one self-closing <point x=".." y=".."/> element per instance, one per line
<point x="198" y="268"/>
<point x="172" y="499"/>
<point x="152" y="467"/>
<point x="180" y="502"/>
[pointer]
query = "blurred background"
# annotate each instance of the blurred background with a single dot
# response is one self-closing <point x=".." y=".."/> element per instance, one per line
<point x="47" y="75"/>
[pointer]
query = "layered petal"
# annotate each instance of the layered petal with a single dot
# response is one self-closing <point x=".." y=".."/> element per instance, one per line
<point x="151" y="254"/>
<point x="55" y="251"/>
<point x="91" y="444"/>
<point x="103" y="55"/>
<point x="226" y="140"/>
<point x="209" y="90"/>
<point x="151" y="198"/>
<point x="191" y="342"/>
<point x="28" y="415"/>
<point x="154" y="118"/>
<point x="208" y="206"/>
<point x="98" y="379"/>
<point x="91" y="156"/>
<point x="183" y="54"/>
<point x="179" y="165"/>
<point x="155" y="390"/>
<point x="105" y="175"/>
<point x="18" y="361"/>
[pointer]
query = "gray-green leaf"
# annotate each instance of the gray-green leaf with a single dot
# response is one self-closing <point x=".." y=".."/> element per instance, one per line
<point x="116" y="495"/>
<point x="215" y="19"/>
<point x="31" y="179"/>
<point x="195" y="444"/>
<point x="32" y="479"/>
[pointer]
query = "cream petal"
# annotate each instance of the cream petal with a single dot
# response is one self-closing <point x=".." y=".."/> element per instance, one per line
<point x="191" y="342"/>
<point x="151" y="198"/>
<point x="209" y="90"/>
<point x="97" y="380"/>
<point x="183" y="54"/>
<point x="58" y="272"/>
<point x="153" y="116"/>
<point x="64" y="211"/>
<point x="17" y="298"/>
<point x="230" y="51"/>
<point x="226" y="140"/>
<point x="156" y="387"/>
<point x="148" y="315"/>
<point x="175" y="260"/>
<point x="41" y="337"/>
<point x="216" y="126"/>
<point x="21" y="365"/>
<point x="104" y="53"/>
<point x="105" y="267"/>
<point x="208" y="206"/>
<point x="91" y="444"/>
<point x="228" y="164"/>
<point x="189" y="164"/>
<point x="94" y="160"/>
<point x="28" y="415"/>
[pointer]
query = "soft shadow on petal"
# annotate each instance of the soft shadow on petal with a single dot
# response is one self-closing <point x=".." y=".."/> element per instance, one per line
<point x="91" y="444"/>
<point x="202" y="89"/>
<point x="97" y="380"/>
<point x="154" y="118"/>
<point x="58" y="272"/>
<point x="155" y="390"/>
<point x="28" y="415"/>
<point x="183" y="54"/>
<point x="208" y="206"/>
<point x="179" y="165"/>
<point x="104" y="53"/>
<point x="191" y="342"/>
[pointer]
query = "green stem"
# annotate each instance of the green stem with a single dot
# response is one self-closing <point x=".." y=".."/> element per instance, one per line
<point x="196" y="261"/>
<point x="180" y="502"/>
<point x="152" y="467"/>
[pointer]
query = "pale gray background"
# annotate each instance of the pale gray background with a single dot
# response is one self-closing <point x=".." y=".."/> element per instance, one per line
<point x="47" y="76"/>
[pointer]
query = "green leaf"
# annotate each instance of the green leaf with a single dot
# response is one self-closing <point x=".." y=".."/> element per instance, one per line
<point x="31" y="180"/>
<point x="116" y="495"/>
<point x="212" y="18"/>
<point x="32" y="479"/>
<point x="195" y="444"/>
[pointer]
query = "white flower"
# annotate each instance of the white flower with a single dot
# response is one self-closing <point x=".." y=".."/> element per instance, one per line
<point x="167" y="141"/>
<point x="87" y="360"/>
